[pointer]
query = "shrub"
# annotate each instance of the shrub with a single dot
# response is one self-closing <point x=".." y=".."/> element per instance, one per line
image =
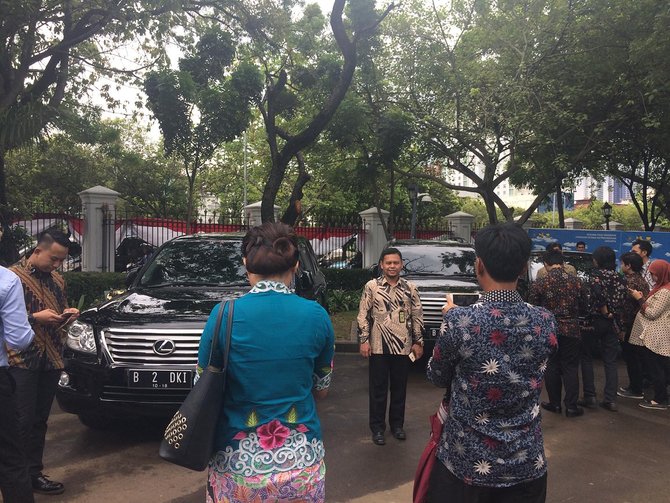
<point x="347" y="279"/>
<point x="88" y="288"/>
<point x="343" y="300"/>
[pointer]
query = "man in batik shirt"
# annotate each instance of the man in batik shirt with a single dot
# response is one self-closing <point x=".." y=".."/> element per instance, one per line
<point x="564" y="295"/>
<point x="390" y="327"/>
<point x="607" y="290"/>
<point x="37" y="368"/>
<point x="492" y="356"/>
<point x="633" y="355"/>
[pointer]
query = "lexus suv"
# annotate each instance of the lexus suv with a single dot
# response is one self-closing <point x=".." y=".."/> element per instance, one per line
<point x="135" y="355"/>
<point x="438" y="268"/>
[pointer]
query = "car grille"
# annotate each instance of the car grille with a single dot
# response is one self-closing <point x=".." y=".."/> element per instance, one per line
<point x="155" y="396"/>
<point x="432" y="303"/>
<point x="137" y="346"/>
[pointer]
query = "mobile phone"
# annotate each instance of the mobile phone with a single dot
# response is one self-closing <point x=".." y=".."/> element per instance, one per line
<point x="412" y="356"/>
<point x="66" y="316"/>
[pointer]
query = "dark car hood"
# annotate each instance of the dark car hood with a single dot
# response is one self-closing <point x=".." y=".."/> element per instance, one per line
<point x="444" y="283"/>
<point x="155" y="304"/>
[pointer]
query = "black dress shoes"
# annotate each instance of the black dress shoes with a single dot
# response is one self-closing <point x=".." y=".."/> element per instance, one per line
<point x="611" y="406"/>
<point x="588" y="402"/>
<point x="378" y="438"/>
<point x="399" y="434"/>
<point x="576" y="412"/>
<point x="551" y="407"/>
<point x="42" y="485"/>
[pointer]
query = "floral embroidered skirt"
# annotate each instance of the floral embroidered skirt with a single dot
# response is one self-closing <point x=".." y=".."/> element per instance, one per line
<point x="300" y="485"/>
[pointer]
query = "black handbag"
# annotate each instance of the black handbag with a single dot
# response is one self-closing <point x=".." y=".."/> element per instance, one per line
<point x="189" y="438"/>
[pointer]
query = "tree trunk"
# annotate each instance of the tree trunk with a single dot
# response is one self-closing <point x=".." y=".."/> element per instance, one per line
<point x="559" y="205"/>
<point x="390" y="230"/>
<point x="490" y="208"/>
<point x="294" y="209"/>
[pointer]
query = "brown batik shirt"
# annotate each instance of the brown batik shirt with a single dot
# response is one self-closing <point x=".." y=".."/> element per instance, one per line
<point x="390" y="317"/>
<point x="42" y="290"/>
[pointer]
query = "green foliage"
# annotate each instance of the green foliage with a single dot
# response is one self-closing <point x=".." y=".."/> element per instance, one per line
<point x="339" y="301"/>
<point x="91" y="286"/>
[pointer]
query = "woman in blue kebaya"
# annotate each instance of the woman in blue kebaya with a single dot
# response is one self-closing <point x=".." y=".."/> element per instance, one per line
<point x="268" y="444"/>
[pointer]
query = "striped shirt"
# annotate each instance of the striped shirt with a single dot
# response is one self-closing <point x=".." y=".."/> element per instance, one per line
<point x="390" y="317"/>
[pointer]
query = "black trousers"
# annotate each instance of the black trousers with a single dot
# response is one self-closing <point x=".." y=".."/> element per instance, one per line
<point x="563" y="369"/>
<point x="445" y="487"/>
<point x="657" y="366"/>
<point x="634" y="357"/>
<point x="35" y="392"/>
<point x="14" y="481"/>
<point x="385" y="369"/>
<point x="609" y="345"/>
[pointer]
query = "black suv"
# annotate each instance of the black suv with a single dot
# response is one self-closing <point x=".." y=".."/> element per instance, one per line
<point x="135" y="355"/>
<point x="438" y="268"/>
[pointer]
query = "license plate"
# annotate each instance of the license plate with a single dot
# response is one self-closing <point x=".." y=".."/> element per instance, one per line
<point x="160" y="379"/>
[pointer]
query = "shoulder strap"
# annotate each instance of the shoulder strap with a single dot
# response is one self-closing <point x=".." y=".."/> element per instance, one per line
<point x="217" y="330"/>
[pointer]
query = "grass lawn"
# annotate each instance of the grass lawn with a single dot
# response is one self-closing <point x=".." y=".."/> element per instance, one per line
<point x="342" y="325"/>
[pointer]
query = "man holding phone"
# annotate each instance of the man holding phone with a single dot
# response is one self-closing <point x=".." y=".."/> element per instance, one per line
<point x="390" y="328"/>
<point x="36" y="369"/>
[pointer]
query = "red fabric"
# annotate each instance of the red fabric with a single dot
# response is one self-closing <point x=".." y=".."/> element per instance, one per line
<point x="427" y="461"/>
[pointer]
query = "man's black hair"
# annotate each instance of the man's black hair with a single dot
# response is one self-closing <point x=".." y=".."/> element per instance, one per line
<point x="47" y="238"/>
<point x="552" y="257"/>
<point x="554" y="246"/>
<point x="644" y="245"/>
<point x="390" y="251"/>
<point x="504" y="249"/>
<point x="633" y="260"/>
<point x="605" y="258"/>
<point x="580" y="243"/>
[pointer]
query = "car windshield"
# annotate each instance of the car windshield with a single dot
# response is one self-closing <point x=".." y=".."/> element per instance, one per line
<point x="190" y="262"/>
<point x="438" y="260"/>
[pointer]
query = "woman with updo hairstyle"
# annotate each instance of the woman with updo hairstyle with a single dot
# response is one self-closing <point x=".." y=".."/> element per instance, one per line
<point x="268" y="445"/>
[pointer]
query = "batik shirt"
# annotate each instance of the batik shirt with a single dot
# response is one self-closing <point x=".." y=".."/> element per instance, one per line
<point x="281" y="350"/>
<point x="493" y="355"/>
<point x="42" y="290"/>
<point x="607" y="288"/>
<point x="390" y="317"/>
<point x="565" y="296"/>
<point x="647" y="275"/>
<point x="631" y="306"/>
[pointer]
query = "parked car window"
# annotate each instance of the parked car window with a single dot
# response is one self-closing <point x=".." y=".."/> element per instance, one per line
<point x="190" y="262"/>
<point x="442" y="260"/>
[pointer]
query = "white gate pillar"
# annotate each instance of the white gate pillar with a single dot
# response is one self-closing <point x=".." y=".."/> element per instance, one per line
<point x="98" y="243"/>
<point x="252" y="214"/>
<point x="461" y="225"/>
<point x="375" y="237"/>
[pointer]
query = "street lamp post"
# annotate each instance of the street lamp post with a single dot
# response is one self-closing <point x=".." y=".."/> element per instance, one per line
<point x="607" y="214"/>
<point x="415" y="196"/>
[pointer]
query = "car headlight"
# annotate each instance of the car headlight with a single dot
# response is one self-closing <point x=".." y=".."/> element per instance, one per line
<point x="80" y="337"/>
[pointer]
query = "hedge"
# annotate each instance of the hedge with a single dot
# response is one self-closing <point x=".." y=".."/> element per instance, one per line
<point x="347" y="279"/>
<point x="92" y="286"/>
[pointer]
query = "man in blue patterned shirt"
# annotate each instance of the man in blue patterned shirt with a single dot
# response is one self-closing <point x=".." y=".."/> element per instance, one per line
<point x="492" y="357"/>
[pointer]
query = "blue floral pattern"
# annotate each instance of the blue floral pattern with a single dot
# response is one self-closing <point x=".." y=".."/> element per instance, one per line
<point x="493" y="355"/>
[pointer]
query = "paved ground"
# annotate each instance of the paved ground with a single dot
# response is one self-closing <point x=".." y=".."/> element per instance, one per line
<point x="602" y="457"/>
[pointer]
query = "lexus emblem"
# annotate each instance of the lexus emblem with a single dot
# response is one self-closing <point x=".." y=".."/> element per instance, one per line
<point x="164" y="347"/>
